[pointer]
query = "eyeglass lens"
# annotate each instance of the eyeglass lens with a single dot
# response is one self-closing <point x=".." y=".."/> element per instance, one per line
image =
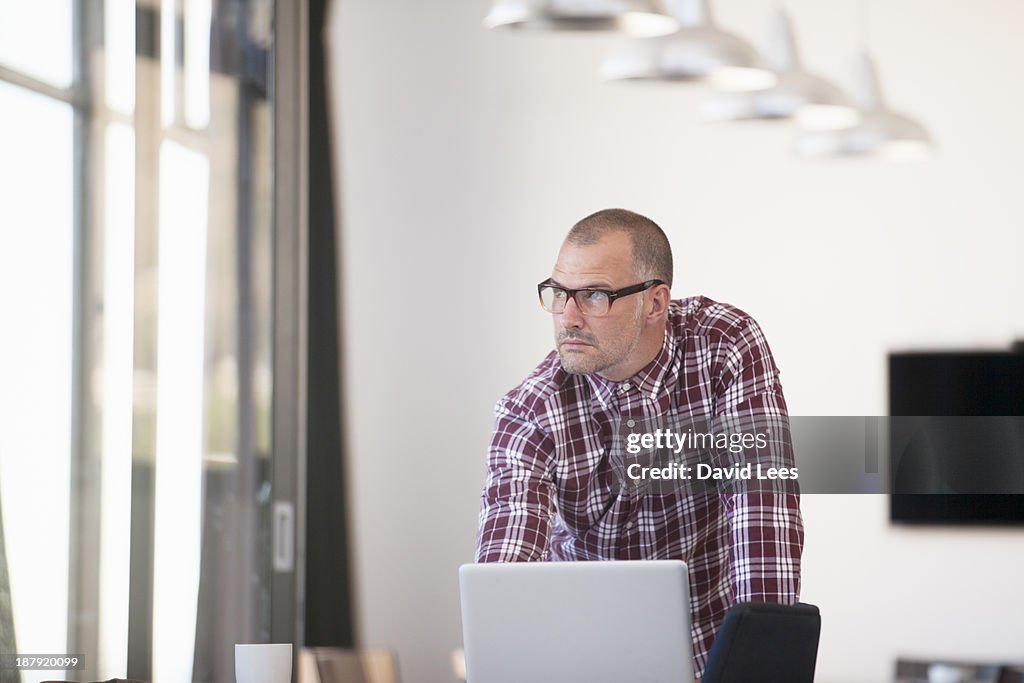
<point x="590" y="302"/>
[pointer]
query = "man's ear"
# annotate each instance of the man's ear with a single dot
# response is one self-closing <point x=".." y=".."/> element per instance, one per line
<point x="660" y="297"/>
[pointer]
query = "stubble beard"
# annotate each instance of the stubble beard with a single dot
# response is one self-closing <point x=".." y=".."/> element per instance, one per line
<point x="599" y="357"/>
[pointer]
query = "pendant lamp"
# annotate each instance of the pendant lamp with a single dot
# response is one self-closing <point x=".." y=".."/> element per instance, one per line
<point x="810" y="99"/>
<point x="635" y="17"/>
<point x="697" y="51"/>
<point x="881" y="132"/>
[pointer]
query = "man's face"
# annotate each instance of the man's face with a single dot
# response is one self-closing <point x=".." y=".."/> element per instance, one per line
<point x="589" y="344"/>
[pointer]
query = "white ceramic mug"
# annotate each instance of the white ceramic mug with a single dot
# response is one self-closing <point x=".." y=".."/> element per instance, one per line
<point x="263" y="663"/>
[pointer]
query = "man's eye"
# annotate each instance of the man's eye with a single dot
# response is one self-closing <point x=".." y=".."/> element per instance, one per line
<point x="596" y="297"/>
<point x="559" y="294"/>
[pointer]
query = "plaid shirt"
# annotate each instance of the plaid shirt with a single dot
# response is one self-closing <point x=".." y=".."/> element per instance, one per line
<point x="551" y="493"/>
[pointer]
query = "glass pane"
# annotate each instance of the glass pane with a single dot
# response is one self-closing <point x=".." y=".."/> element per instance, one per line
<point x="119" y="55"/>
<point x="197" y="62"/>
<point x="36" y="251"/>
<point x="181" y="312"/>
<point x="168" y="61"/>
<point x="35" y="38"/>
<point x="117" y="362"/>
<point x="204" y="342"/>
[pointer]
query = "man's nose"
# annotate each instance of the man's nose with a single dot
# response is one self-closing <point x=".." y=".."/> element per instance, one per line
<point x="571" y="315"/>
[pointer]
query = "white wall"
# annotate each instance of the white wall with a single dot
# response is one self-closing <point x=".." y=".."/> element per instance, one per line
<point x="466" y="154"/>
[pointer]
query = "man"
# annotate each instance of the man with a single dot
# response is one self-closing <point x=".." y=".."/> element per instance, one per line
<point x="625" y="349"/>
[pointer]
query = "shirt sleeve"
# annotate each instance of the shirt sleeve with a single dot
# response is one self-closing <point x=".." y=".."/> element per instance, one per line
<point x="517" y="504"/>
<point x="766" y="528"/>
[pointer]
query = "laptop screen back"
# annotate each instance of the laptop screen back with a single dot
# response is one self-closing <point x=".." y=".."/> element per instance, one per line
<point x="585" y="622"/>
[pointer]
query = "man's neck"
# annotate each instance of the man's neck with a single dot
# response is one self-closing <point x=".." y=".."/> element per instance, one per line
<point x="646" y="351"/>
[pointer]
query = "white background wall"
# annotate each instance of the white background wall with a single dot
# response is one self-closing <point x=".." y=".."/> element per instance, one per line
<point x="465" y="155"/>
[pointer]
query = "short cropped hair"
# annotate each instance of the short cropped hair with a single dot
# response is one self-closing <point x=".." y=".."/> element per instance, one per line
<point x="652" y="254"/>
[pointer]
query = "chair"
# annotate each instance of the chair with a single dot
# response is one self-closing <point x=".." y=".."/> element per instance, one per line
<point x="765" y="643"/>
<point x="336" y="665"/>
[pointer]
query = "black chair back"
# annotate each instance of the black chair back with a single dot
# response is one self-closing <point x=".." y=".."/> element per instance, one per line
<point x="765" y="643"/>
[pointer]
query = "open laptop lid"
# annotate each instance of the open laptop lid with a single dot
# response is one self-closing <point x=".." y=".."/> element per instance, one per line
<point x="577" y="622"/>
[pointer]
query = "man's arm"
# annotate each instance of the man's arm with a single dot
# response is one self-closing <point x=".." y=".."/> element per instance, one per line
<point x="766" y="527"/>
<point x="518" y="498"/>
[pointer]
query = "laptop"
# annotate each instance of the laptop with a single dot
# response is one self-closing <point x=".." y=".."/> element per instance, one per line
<point x="577" y="622"/>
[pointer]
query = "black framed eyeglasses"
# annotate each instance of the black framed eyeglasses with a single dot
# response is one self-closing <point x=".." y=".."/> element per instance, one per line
<point x="590" y="301"/>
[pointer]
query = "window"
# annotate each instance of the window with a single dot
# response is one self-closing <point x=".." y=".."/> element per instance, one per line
<point x="138" y="262"/>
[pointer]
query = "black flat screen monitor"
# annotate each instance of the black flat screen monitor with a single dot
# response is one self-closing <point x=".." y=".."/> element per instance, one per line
<point x="958" y="384"/>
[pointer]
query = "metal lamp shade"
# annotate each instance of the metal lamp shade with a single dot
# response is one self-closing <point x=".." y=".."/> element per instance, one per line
<point x="890" y="135"/>
<point x="881" y="132"/>
<point x="636" y="17"/>
<point x="693" y="53"/>
<point x="697" y="51"/>
<point x="813" y="101"/>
